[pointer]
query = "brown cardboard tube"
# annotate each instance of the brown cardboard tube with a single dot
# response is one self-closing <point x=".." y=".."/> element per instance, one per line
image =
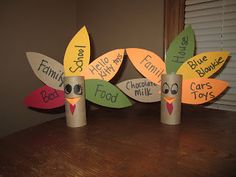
<point x="171" y="90"/>
<point x="75" y="107"/>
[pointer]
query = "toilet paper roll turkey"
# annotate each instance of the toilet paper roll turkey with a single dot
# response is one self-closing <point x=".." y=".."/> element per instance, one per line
<point x="171" y="90"/>
<point x="75" y="101"/>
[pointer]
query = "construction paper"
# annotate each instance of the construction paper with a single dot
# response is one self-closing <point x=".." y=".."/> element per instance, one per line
<point x="48" y="70"/>
<point x="105" y="66"/>
<point x="180" y="49"/>
<point x="45" y="98"/>
<point x="141" y="90"/>
<point x="202" y="90"/>
<point x="105" y="94"/>
<point x="75" y="101"/>
<point x="77" y="55"/>
<point x="147" y="63"/>
<point x="203" y="65"/>
<point x="171" y="86"/>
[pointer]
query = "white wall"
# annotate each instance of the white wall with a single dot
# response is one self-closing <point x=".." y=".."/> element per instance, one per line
<point x="43" y="26"/>
<point x="123" y="24"/>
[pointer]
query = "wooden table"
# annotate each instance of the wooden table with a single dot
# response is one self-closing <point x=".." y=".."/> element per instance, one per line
<point x="125" y="143"/>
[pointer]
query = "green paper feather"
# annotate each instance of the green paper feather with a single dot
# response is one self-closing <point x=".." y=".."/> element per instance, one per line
<point x="181" y="49"/>
<point x="105" y="94"/>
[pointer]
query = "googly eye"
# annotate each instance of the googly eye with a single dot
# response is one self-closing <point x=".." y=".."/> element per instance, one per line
<point x="78" y="89"/>
<point x="174" y="89"/>
<point x="67" y="89"/>
<point x="165" y="88"/>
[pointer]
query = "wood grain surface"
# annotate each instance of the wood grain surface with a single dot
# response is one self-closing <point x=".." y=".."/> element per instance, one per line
<point x="125" y="143"/>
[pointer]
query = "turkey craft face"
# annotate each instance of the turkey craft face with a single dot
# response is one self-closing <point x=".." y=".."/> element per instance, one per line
<point x="171" y="85"/>
<point x="169" y="93"/>
<point x="75" y="101"/>
<point x="73" y="94"/>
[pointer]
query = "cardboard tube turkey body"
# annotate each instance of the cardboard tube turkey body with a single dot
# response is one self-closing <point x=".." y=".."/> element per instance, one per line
<point x="171" y="90"/>
<point x="75" y="101"/>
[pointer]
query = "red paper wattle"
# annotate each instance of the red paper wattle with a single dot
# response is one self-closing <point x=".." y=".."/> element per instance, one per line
<point x="72" y="108"/>
<point x="169" y="107"/>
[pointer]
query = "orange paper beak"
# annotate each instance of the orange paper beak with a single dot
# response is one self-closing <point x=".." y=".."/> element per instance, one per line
<point x="72" y="101"/>
<point x="169" y="99"/>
